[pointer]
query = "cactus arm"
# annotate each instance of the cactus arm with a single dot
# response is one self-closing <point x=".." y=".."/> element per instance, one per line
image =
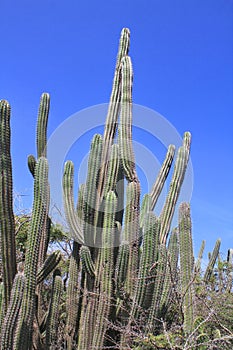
<point x="162" y="175"/>
<point x="131" y="233"/>
<point x="7" y="222"/>
<point x="122" y="266"/>
<point x="31" y="164"/>
<point x="75" y="283"/>
<point x="113" y="169"/>
<point x="39" y="214"/>
<point x="125" y="128"/>
<point x="90" y="213"/>
<point x="199" y="258"/>
<point x="42" y="121"/>
<point x="173" y="193"/>
<point x="229" y="270"/>
<point x="105" y="270"/>
<point x="154" y="311"/>
<point x="48" y="266"/>
<point x="146" y="207"/>
<point x="170" y="279"/>
<point x="68" y="199"/>
<point x="53" y="315"/>
<point x="114" y="107"/>
<point x="10" y="320"/>
<point x="143" y="294"/>
<point x="212" y="261"/>
<point x="186" y="265"/>
<point x="87" y="263"/>
<point x="73" y="296"/>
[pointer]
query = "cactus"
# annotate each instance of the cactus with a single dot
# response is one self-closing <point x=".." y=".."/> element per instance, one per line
<point x="68" y="197"/>
<point x="7" y="223"/>
<point x="212" y="261"/>
<point x="175" y="187"/>
<point x="52" y="320"/>
<point x="162" y="175"/>
<point x="39" y="214"/>
<point x="41" y="134"/>
<point x="87" y="263"/>
<point x="105" y="271"/>
<point x="148" y="260"/>
<point x="123" y="276"/>
<point x="199" y="259"/>
<point x="158" y="288"/>
<point x="114" y="107"/>
<point x="11" y="318"/>
<point x="170" y="279"/>
<point x="48" y="266"/>
<point x="186" y="265"/>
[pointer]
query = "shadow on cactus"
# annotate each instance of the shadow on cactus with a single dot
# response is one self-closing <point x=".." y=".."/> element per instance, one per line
<point x="131" y="280"/>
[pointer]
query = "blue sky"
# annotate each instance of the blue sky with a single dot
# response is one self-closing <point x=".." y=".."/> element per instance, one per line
<point x="182" y="53"/>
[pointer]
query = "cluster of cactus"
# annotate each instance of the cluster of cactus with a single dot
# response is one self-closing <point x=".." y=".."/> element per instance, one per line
<point x="123" y="269"/>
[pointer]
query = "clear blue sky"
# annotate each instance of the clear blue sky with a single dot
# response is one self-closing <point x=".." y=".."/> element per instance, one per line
<point x="182" y="54"/>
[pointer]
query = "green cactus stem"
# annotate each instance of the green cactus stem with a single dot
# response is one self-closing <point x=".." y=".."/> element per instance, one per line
<point x="154" y="311"/>
<point x="31" y="164"/>
<point x="48" y="266"/>
<point x="39" y="215"/>
<point x="210" y="267"/>
<point x="146" y="207"/>
<point x="105" y="271"/>
<point x="7" y="222"/>
<point x="186" y="265"/>
<point x="147" y="266"/>
<point x="10" y="320"/>
<point x="229" y="270"/>
<point x="122" y="267"/>
<point x="87" y="263"/>
<point x="68" y="199"/>
<point x="53" y="315"/>
<point x="170" y="280"/>
<point x="113" y="109"/>
<point x="90" y="213"/>
<point x="199" y="258"/>
<point x="42" y="121"/>
<point x="162" y="176"/>
<point x="131" y="233"/>
<point x="174" y="190"/>
<point x="73" y="300"/>
<point x="125" y="128"/>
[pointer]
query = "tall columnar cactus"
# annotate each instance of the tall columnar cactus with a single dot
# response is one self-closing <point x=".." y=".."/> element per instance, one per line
<point x="125" y="127"/>
<point x="162" y="175"/>
<point x="12" y="315"/>
<point x="171" y="275"/>
<point x="186" y="265"/>
<point x="210" y="267"/>
<point x="121" y="271"/>
<point x="52" y="320"/>
<point x="199" y="258"/>
<point x="114" y="108"/>
<point x="148" y="261"/>
<point x="105" y="271"/>
<point x="39" y="214"/>
<point x="7" y="222"/>
<point x="175" y="187"/>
